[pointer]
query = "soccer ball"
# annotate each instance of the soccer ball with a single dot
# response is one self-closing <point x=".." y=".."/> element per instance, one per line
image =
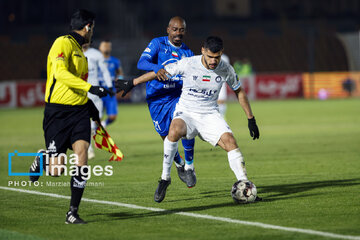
<point x="244" y="191"/>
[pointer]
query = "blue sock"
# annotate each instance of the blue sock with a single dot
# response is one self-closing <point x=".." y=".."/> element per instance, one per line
<point x="108" y="121"/>
<point x="177" y="158"/>
<point x="188" y="145"/>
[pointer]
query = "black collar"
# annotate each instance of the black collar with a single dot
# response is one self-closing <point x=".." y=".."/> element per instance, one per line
<point x="80" y="40"/>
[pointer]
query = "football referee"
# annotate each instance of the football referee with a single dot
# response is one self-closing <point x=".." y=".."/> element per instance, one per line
<point x="68" y="110"/>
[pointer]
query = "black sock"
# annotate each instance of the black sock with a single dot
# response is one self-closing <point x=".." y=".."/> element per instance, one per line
<point x="77" y="185"/>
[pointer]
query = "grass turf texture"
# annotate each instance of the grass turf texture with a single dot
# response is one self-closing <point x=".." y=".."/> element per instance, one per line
<point x="305" y="166"/>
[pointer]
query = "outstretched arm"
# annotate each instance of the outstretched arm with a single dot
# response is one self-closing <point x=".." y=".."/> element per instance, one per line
<point x="144" y="78"/>
<point x="127" y="85"/>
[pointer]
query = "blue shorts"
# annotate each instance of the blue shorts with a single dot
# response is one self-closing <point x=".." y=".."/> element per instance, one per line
<point x="162" y="113"/>
<point x="110" y="104"/>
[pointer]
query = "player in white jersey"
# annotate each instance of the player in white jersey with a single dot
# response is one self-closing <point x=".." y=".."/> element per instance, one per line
<point x="223" y="91"/>
<point x="197" y="111"/>
<point x="96" y="62"/>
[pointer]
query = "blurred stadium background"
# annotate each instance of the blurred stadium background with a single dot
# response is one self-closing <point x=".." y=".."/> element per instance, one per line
<point x="297" y="48"/>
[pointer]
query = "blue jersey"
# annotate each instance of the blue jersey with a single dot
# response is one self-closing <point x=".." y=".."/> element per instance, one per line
<point x="113" y="64"/>
<point x="156" y="55"/>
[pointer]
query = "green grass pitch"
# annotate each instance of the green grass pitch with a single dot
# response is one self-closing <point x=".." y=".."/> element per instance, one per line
<point x="306" y="166"/>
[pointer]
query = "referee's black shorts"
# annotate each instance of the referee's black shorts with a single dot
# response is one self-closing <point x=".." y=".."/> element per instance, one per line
<point x="64" y="124"/>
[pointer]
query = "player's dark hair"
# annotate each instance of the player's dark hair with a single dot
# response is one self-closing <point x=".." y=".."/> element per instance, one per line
<point x="214" y="44"/>
<point x="106" y="40"/>
<point x="81" y="18"/>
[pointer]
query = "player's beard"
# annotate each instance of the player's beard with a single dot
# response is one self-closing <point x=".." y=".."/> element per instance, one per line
<point x="208" y="65"/>
<point x="178" y="40"/>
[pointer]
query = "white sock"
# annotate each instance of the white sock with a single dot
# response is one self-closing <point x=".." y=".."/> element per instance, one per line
<point x="237" y="164"/>
<point x="189" y="166"/>
<point x="222" y="109"/>
<point x="170" y="149"/>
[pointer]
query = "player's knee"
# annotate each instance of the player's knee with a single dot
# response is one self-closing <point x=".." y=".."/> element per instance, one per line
<point x="173" y="135"/>
<point x="112" y="117"/>
<point x="176" y="132"/>
<point x="229" y="141"/>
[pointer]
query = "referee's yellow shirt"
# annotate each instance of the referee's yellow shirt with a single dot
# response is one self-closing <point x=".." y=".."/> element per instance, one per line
<point x="67" y="73"/>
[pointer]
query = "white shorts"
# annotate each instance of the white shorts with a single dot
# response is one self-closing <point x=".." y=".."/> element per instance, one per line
<point x="209" y="126"/>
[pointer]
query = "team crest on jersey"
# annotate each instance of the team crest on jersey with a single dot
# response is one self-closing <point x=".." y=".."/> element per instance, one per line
<point x="195" y="78"/>
<point x="218" y="79"/>
<point x="174" y="54"/>
<point x="60" y="56"/>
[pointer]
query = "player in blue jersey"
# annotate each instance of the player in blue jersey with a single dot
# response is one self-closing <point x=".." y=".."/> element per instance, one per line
<point x="162" y="96"/>
<point x="116" y="72"/>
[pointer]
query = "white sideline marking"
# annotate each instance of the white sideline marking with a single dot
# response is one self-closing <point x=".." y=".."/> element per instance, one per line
<point x="195" y="215"/>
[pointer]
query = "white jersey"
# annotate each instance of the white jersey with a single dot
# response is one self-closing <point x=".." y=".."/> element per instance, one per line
<point x="95" y="61"/>
<point x="201" y="86"/>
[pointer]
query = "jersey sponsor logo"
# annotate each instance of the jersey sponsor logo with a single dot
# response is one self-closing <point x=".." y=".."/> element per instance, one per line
<point x="60" y="56"/>
<point x="204" y="91"/>
<point x="147" y="50"/>
<point x="218" y="79"/>
<point x="169" y="85"/>
<point x="206" y="78"/>
<point x="174" y="54"/>
<point x="195" y="78"/>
